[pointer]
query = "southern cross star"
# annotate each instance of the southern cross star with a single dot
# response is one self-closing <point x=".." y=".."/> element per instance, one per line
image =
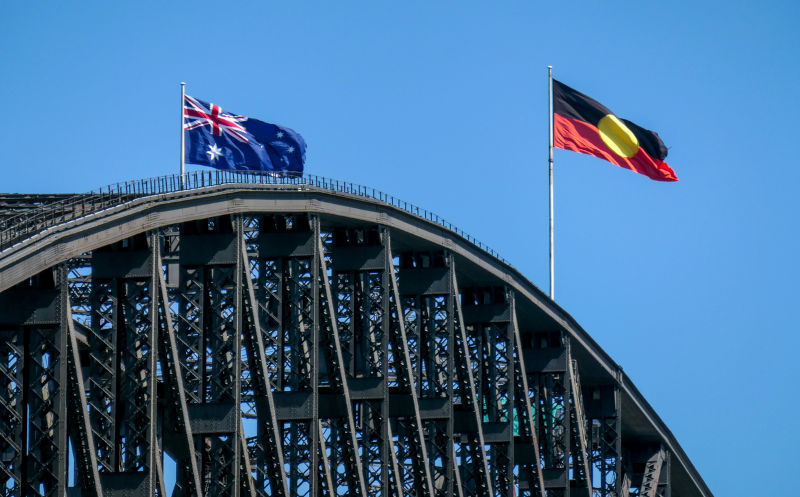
<point x="213" y="152"/>
<point x="290" y="149"/>
<point x="279" y="134"/>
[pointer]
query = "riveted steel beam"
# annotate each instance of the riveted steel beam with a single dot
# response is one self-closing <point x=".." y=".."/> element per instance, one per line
<point x="459" y="486"/>
<point x="160" y="485"/>
<point x="329" y="486"/>
<point x="247" y="484"/>
<point x="652" y="474"/>
<point x="395" y="481"/>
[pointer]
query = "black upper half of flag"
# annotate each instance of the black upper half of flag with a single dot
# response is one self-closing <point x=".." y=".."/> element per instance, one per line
<point x="573" y="104"/>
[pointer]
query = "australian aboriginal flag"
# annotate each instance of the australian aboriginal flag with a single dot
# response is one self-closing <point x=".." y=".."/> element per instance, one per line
<point x="584" y="125"/>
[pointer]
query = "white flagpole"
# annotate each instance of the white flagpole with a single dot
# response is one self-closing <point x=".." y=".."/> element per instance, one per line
<point x="183" y="137"/>
<point x="550" y="146"/>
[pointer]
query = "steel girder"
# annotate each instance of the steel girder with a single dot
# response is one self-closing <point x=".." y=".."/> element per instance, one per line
<point x="292" y="354"/>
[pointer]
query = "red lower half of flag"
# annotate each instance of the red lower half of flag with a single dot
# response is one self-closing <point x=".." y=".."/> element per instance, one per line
<point x="580" y="136"/>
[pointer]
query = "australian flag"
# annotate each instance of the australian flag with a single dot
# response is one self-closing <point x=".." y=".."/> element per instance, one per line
<point x="227" y="141"/>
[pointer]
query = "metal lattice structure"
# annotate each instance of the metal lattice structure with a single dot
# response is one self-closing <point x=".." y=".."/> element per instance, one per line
<point x="254" y="336"/>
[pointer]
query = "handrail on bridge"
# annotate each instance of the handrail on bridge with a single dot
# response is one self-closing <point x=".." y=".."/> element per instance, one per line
<point x="20" y="227"/>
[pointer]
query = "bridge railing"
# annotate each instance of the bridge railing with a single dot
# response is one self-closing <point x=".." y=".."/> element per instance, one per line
<point x="16" y="229"/>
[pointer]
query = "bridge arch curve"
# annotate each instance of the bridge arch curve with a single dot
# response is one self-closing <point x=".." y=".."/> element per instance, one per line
<point x="299" y="339"/>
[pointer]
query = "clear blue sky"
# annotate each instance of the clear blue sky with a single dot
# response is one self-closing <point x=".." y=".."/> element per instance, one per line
<point x="691" y="286"/>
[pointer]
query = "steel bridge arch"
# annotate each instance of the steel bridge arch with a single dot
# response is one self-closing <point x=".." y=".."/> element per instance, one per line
<point x="405" y="359"/>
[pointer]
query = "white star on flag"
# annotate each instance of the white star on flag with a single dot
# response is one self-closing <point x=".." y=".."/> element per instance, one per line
<point x="213" y="152"/>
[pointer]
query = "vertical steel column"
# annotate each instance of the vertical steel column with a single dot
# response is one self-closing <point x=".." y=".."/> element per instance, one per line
<point x="191" y="331"/>
<point x="102" y="381"/>
<point x="501" y="394"/>
<point x="498" y="359"/>
<point x="12" y="420"/>
<point x="450" y="375"/>
<point x="316" y="431"/>
<point x="346" y="317"/>
<point x="525" y="412"/>
<point x="122" y="357"/>
<point x="361" y="304"/>
<point x="606" y="453"/>
<point x="208" y="354"/>
<point x="155" y="461"/>
<point x="490" y="360"/>
<point x="88" y="476"/>
<point x="511" y="398"/>
<point x="271" y="299"/>
<point x="387" y="451"/>
<point x="219" y="376"/>
<point x="429" y="317"/>
<point x="477" y="444"/>
<point x="414" y="436"/>
<point x="43" y="460"/>
<point x="552" y="394"/>
<point x="190" y="335"/>
<point x="62" y="444"/>
<point x="269" y="437"/>
<point x="289" y="291"/>
<point x="173" y="377"/>
<point x="336" y="363"/>
<point x="563" y="438"/>
<point x="581" y="457"/>
<point x="238" y="437"/>
<point x="135" y="402"/>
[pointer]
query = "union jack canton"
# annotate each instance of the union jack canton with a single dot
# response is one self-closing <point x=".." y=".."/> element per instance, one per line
<point x="224" y="140"/>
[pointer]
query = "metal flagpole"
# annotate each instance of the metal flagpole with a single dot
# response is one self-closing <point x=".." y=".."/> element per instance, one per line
<point x="550" y="151"/>
<point x="183" y="137"/>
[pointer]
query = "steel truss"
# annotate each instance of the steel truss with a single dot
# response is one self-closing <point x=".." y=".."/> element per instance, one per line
<point x="296" y="355"/>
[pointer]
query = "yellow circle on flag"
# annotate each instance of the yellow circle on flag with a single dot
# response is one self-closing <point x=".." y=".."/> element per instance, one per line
<point x="618" y="137"/>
